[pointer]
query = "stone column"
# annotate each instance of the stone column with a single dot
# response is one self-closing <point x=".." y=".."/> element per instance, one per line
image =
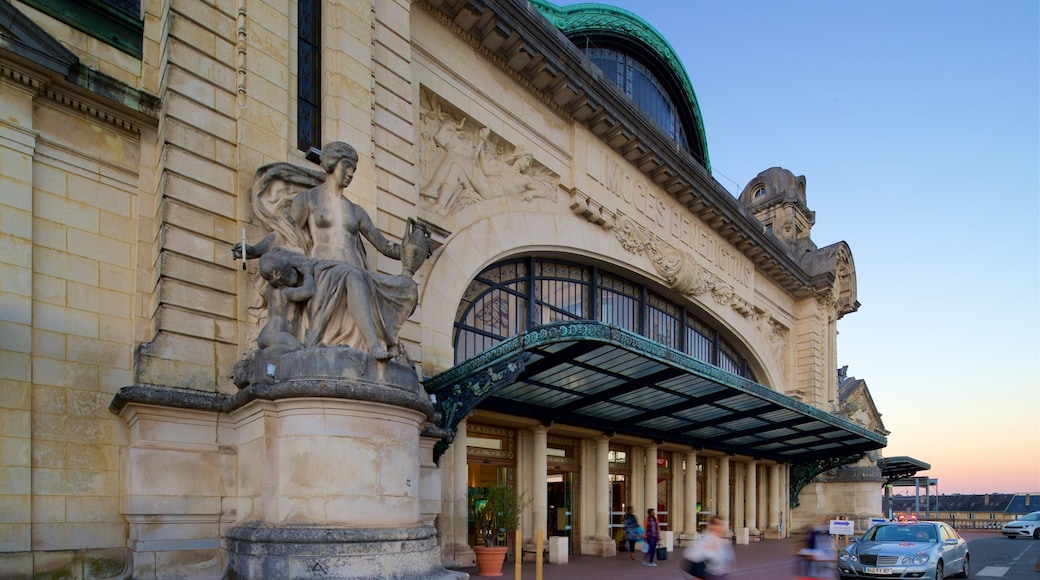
<point x="711" y="486"/>
<point x="723" y="495"/>
<point x="636" y="480"/>
<point x="774" y="500"/>
<point x="690" y="494"/>
<point x="738" y="494"/>
<point x="602" y="482"/>
<point x="539" y="471"/>
<point x="600" y="543"/>
<point x="751" y="497"/>
<point x="650" y="481"/>
<point x="463" y="552"/>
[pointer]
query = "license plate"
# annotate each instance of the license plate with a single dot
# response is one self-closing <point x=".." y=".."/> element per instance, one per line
<point x="878" y="571"/>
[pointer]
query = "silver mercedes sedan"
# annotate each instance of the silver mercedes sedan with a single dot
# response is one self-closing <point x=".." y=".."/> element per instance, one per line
<point x="929" y="550"/>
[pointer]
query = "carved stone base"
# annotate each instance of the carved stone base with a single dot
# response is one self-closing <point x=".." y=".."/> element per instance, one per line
<point x="298" y="551"/>
<point x="601" y="546"/>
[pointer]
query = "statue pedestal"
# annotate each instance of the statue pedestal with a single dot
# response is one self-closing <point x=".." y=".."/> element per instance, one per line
<point x="329" y="477"/>
<point x="317" y="471"/>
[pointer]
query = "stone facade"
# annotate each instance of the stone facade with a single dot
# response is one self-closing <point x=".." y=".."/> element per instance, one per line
<point x="126" y="182"/>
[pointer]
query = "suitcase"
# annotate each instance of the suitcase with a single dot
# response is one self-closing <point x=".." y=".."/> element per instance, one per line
<point x="662" y="553"/>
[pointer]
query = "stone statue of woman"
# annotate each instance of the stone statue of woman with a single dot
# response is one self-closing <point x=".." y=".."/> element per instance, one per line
<point x="352" y="305"/>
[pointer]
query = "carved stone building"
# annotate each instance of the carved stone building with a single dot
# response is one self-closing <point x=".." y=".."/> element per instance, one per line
<point x="600" y="324"/>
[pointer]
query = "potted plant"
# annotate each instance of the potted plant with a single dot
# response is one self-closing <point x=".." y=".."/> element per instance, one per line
<point x="496" y="515"/>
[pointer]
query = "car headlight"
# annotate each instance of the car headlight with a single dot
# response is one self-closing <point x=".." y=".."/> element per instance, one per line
<point x="845" y="557"/>
<point x="920" y="559"/>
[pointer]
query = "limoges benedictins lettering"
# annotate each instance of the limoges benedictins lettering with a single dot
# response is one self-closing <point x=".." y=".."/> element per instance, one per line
<point x="665" y="215"/>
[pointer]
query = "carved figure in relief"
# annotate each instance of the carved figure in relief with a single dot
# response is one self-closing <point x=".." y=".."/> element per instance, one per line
<point x="318" y="232"/>
<point x="499" y="175"/>
<point x="461" y="166"/>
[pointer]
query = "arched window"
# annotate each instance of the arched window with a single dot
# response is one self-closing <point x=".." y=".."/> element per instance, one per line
<point x="510" y="298"/>
<point x="643" y="87"/>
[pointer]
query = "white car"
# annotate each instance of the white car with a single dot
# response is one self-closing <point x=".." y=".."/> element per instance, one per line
<point x="1027" y="526"/>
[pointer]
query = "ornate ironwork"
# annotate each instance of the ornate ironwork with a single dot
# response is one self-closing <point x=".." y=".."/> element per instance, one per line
<point x="456" y="401"/>
<point x="803" y="473"/>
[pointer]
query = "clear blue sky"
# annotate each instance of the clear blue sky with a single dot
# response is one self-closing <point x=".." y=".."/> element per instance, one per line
<point x="917" y="127"/>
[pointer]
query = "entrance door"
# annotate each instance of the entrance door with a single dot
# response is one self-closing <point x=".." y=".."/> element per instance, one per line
<point x="618" y="503"/>
<point x="560" y="495"/>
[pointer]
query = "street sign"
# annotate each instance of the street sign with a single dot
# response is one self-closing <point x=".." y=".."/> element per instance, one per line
<point x="842" y="527"/>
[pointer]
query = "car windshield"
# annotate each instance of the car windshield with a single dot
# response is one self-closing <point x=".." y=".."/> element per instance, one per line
<point x="915" y="533"/>
<point x="1035" y="516"/>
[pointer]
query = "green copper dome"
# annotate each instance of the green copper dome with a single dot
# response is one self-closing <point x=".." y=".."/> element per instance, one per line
<point x="593" y="24"/>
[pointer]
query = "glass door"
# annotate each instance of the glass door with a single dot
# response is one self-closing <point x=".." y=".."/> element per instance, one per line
<point x="618" y="503"/>
<point x="560" y="496"/>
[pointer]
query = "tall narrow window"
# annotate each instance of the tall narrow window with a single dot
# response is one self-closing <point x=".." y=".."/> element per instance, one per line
<point x="308" y="64"/>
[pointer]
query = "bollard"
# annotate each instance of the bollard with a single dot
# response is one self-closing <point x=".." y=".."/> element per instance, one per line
<point x="519" y="543"/>
<point x="538" y="556"/>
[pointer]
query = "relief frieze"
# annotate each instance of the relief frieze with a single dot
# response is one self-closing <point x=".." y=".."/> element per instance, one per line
<point x="462" y="162"/>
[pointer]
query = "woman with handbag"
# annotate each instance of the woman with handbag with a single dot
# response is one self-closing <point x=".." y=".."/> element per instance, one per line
<point x="651" y="534"/>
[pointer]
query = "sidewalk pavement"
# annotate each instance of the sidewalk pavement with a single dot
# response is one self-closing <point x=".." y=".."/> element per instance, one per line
<point x="765" y="560"/>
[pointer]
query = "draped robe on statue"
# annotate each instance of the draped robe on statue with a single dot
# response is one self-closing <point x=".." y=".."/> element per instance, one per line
<point x="390" y="298"/>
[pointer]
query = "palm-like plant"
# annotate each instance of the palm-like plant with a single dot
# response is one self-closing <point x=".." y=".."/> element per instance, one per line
<point x="499" y="514"/>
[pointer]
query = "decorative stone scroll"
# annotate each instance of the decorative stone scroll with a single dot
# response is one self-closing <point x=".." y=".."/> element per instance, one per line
<point x="680" y="269"/>
<point x="462" y="162"/>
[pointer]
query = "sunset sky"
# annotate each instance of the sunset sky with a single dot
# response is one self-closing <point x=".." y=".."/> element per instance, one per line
<point x="917" y="127"/>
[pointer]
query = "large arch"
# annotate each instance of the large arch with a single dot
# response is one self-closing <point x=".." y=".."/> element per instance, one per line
<point x="516" y="231"/>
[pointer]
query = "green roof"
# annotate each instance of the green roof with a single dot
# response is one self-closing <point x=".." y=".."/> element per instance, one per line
<point x="591" y="18"/>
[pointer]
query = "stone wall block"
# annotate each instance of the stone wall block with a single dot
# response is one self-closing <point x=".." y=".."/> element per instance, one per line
<point x="211" y="275"/>
<point x="65" y="266"/>
<point x="197" y="298"/>
<point x="65" y="373"/>
<point x="184" y="109"/>
<point x="197" y="207"/>
<point x="99" y="248"/>
<point x="216" y="17"/>
<point x="273" y="95"/>
<point x="67" y="213"/>
<point x="186" y="163"/>
<point x="270" y="143"/>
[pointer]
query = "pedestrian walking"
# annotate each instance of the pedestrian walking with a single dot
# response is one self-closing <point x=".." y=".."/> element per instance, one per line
<point x="710" y="556"/>
<point x="633" y="532"/>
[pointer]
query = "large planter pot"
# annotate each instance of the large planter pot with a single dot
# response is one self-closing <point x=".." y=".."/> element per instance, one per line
<point x="490" y="560"/>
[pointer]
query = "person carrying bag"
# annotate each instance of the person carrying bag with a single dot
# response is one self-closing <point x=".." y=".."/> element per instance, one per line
<point x="710" y="556"/>
<point x="633" y="532"/>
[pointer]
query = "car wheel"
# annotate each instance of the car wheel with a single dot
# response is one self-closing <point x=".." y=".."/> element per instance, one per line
<point x="1036" y="534"/>
<point x="939" y="571"/>
<point x="964" y="571"/>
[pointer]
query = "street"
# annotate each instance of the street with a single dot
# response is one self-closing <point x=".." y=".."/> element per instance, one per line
<point x="994" y="556"/>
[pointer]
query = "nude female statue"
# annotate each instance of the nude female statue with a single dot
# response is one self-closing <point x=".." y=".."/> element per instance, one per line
<point x="352" y="305"/>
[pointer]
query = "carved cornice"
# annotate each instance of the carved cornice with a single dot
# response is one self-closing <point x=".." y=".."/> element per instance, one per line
<point x="81" y="96"/>
<point x="31" y="57"/>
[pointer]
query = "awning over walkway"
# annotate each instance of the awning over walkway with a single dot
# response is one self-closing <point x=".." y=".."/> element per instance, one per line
<point x="600" y="377"/>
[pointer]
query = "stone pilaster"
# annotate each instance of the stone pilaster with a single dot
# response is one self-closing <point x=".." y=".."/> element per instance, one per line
<point x="751" y="497"/>
<point x="723" y="500"/>
<point x="689" y="530"/>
